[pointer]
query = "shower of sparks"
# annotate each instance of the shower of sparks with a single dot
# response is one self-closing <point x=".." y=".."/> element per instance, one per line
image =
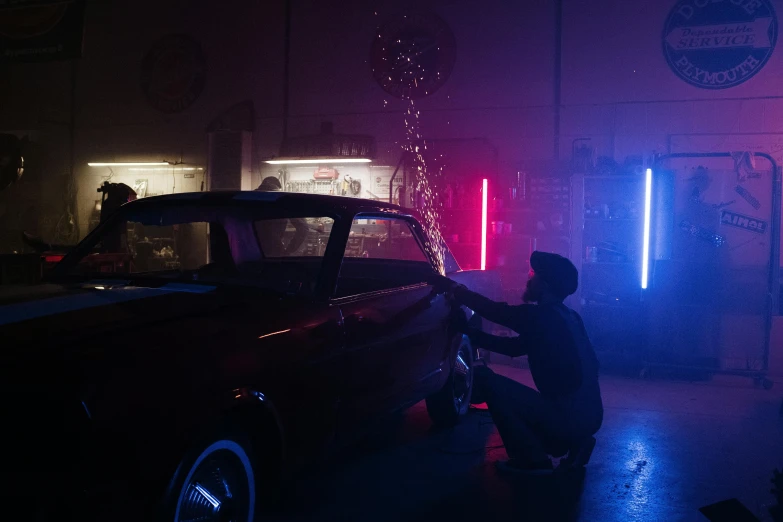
<point x="424" y="184"/>
<point x="409" y="71"/>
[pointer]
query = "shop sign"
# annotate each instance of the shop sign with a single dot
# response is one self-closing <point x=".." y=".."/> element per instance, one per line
<point x="381" y="185"/>
<point x="717" y="44"/>
<point x="174" y="73"/>
<point x="41" y="30"/>
<point x="733" y="219"/>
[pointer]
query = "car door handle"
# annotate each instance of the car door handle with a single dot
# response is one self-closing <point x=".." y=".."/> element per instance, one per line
<point x="353" y="320"/>
<point x="332" y="335"/>
<point x="328" y="330"/>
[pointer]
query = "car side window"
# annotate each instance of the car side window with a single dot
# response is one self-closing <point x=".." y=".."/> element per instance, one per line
<point x="382" y="254"/>
<point x="293" y="237"/>
<point x="450" y="264"/>
<point x="291" y="253"/>
<point x="388" y="238"/>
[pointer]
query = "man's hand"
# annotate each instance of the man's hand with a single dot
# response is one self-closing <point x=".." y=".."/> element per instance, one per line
<point x="442" y="283"/>
<point x="459" y="322"/>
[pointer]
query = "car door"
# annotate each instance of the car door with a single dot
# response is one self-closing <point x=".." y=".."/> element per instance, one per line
<point x="395" y="323"/>
<point x="296" y="337"/>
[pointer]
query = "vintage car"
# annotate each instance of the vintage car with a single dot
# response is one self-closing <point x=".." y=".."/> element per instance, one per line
<point x="196" y="350"/>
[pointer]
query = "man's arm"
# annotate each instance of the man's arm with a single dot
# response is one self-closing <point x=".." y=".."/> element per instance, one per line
<point x="509" y="346"/>
<point x="499" y="313"/>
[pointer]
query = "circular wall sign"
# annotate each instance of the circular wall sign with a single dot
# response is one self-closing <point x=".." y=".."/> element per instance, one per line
<point x="717" y="45"/>
<point x="173" y="73"/>
<point x="413" y="55"/>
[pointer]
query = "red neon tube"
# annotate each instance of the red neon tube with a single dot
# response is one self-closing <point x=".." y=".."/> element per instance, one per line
<point x="484" y="224"/>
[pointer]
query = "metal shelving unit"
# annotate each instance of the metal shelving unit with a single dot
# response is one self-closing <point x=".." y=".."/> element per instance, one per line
<point x="607" y="240"/>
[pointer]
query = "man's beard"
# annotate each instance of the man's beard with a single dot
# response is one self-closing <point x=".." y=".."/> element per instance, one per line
<point x="528" y="296"/>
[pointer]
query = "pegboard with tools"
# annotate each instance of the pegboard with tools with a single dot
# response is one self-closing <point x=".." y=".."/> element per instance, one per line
<point x="332" y="187"/>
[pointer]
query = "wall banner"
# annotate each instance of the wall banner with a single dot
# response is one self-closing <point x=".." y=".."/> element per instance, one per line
<point x="41" y="30"/>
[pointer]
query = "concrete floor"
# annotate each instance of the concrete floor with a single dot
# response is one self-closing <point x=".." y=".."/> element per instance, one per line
<point x="666" y="449"/>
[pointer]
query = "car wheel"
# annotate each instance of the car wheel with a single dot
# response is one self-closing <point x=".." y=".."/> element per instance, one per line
<point x="217" y="482"/>
<point x="446" y="406"/>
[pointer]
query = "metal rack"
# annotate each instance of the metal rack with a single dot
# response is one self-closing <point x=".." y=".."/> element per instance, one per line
<point x="606" y="246"/>
<point x="739" y="366"/>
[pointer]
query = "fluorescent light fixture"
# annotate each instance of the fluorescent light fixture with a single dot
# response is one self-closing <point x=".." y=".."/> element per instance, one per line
<point x="484" y="184"/>
<point x="316" y="161"/>
<point x="164" y="169"/>
<point x="130" y="164"/>
<point x="647" y="212"/>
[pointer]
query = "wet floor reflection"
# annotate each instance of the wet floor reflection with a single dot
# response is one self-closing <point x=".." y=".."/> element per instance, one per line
<point x="665" y="450"/>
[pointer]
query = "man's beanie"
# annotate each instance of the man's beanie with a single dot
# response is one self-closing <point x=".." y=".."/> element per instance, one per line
<point x="558" y="272"/>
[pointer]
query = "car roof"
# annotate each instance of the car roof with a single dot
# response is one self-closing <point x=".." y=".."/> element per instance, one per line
<point x="297" y="201"/>
<point x="227" y="197"/>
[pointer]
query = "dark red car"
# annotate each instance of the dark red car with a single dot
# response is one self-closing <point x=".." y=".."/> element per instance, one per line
<point x="196" y="350"/>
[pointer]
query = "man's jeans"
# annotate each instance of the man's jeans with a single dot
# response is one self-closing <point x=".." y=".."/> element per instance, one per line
<point x="533" y="426"/>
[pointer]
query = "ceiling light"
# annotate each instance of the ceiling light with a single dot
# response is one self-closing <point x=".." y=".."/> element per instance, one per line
<point x="130" y="164"/>
<point x="165" y="169"/>
<point x="316" y="161"/>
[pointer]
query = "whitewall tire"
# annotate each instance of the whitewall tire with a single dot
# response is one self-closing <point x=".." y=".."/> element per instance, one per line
<point x="219" y="485"/>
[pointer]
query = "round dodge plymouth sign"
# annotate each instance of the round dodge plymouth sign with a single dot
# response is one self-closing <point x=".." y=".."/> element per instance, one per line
<point x="717" y="44"/>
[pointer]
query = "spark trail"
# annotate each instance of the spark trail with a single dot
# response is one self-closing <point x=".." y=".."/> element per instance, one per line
<point x="416" y="146"/>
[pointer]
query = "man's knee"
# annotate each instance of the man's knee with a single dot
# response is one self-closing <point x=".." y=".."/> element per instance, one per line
<point x="482" y="376"/>
<point x="485" y="381"/>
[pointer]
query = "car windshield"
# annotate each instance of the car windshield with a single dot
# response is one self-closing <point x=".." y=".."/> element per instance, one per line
<point x="268" y="247"/>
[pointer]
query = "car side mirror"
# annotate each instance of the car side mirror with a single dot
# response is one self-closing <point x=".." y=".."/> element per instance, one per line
<point x="11" y="160"/>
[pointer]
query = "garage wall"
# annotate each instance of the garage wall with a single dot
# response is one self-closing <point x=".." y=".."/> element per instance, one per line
<point x="494" y="113"/>
<point x="617" y="87"/>
<point x="616" y="82"/>
<point x="619" y="90"/>
<point x="243" y="47"/>
<point x="242" y="43"/>
<point x="500" y="88"/>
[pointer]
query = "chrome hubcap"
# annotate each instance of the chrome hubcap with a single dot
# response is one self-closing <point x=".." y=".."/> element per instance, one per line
<point x="462" y="378"/>
<point x="217" y="491"/>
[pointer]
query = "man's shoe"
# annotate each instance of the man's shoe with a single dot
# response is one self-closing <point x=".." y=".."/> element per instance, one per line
<point x="525" y="468"/>
<point x="579" y="455"/>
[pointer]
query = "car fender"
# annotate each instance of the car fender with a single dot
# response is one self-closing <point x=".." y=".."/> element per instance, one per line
<point x="249" y="399"/>
<point x="250" y="413"/>
<point x="245" y="410"/>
